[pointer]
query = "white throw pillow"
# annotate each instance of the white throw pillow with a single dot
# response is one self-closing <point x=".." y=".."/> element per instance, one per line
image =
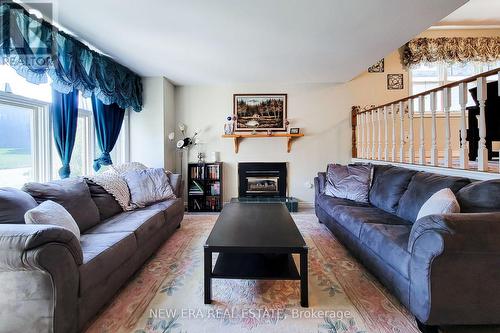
<point x="441" y="202"/>
<point x="50" y="212"/>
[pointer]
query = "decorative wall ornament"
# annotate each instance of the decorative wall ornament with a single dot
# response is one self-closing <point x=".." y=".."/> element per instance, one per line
<point x="260" y="112"/>
<point x="377" y="68"/>
<point x="450" y="50"/>
<point x="394" y="81"/>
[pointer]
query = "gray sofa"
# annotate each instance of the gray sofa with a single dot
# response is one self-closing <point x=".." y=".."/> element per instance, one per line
<point x="51" y="282"/>
<point x="444" y="268"/>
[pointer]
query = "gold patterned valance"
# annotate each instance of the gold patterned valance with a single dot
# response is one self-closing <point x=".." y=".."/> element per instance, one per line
<point x="450" y="50"/>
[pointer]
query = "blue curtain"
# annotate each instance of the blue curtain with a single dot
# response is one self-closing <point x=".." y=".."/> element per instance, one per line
<point x="108" y="121"/>
<point x="37" y="50"/>
<point x="64" y="110"/>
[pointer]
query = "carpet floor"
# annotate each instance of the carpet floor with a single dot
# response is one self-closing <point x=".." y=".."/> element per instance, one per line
<point x="166" y="295"/>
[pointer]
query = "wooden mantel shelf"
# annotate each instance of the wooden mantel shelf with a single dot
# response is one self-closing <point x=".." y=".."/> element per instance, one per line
<point x="237" y="138"/>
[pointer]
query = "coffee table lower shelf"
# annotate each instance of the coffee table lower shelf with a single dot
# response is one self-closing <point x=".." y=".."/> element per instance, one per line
<point x="255" y="267"/>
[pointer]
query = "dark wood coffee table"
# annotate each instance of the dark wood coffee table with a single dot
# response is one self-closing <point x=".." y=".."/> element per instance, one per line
<point x="255" y="242"/>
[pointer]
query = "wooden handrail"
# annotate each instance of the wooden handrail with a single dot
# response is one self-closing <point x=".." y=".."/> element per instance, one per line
<point x="427" y="92"/>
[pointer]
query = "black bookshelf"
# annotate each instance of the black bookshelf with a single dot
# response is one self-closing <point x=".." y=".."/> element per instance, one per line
<point x="205" y="187"/>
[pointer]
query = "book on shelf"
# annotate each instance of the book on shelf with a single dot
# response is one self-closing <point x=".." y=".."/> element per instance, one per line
<point x="215" y="189"/>
<point x="197" y="172"/>
<point x="212" y="203"/>
<point x="213" y="172"/>
<point x="196" y="205"/>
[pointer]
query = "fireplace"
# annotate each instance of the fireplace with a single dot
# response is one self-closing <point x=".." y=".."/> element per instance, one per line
<point x="262" y="179"/>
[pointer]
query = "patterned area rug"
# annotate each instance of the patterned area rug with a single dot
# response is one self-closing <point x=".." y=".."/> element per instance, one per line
<point x="167" y="294"/>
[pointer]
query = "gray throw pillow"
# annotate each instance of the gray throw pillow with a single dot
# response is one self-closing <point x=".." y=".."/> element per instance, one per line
<point x="148" y="186"/>
<point x="71" y="193"/>
<point x="13" y="204"/>
<point x="50" y="212"/>
<point x="349" y="181"/>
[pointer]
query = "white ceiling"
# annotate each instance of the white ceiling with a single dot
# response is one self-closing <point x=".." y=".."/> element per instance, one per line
<point x="475" y="13"/>
<point x="236" y="41"/>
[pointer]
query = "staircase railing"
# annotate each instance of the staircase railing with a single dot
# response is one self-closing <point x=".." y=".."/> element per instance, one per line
<point x="398" y="131"/>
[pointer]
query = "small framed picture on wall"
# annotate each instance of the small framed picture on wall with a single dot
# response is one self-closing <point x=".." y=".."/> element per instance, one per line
<point x="294" y="130"/>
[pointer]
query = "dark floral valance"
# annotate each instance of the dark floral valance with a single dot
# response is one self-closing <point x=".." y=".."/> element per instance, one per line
<point x="450" y="50"/>
<point x="37" y="50"/>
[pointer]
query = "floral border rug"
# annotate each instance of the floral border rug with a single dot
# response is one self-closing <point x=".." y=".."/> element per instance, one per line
<point x="166" y="295"/>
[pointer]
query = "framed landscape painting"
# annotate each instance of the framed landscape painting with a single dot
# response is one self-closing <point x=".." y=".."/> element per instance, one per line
<point x="260" y="112"/>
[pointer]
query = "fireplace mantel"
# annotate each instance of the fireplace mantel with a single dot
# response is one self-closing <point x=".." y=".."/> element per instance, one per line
<point x="238" y="137"/>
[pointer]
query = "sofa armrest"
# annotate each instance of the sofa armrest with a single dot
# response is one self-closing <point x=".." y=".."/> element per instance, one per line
<point x="39" y="278"/>
<point x="177" y="184"/>
<point x="455" y="269"/>
<point x="319" y="183"/>
<point x="16" y="239"/>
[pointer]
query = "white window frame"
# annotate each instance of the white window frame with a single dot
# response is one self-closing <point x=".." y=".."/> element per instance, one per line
<point x="40" y="133"/>
<point x="42" y="137"/>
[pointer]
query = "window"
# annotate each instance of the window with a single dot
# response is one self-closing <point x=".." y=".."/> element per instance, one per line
<point x="429" y="76"/>
<point x="27" y="148"/>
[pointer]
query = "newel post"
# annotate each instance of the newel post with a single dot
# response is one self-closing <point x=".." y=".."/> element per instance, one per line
<point x="355" y="130"/>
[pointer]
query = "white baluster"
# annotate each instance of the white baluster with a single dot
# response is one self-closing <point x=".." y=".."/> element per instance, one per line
<point x="374" y="142"/>
<point x="464" y="145"/>
<point x="379" y="155"/>
<point x="448" y="155"/>
<point x="362" y="143"/>
<point x="482" y="152"/>
<point x="393" y="115"/>
<point x="421" y="150"/>
<point x="411" y="150"/>
<point x="401" y="132"/>
<point x="368" y="147"/>
<point x="386" y="134"/>
<point x="434" y="150"/>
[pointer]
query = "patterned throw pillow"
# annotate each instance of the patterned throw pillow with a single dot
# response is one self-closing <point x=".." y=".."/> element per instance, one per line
<point x="125" y="167"/>
<point x="349" y="181"/>
<point x="50" y="212"/>
<point x="112" y="182"/>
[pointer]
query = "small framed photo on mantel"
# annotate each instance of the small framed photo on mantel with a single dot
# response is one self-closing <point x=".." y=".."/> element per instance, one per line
<point x="294" y="130"/>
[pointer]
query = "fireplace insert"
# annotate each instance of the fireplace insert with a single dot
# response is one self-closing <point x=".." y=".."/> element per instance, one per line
<point x="262" y="179"/>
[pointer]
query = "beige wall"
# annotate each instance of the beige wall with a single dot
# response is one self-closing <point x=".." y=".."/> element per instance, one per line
<point x="322" y="111"/>
<point x="150" y="127"/>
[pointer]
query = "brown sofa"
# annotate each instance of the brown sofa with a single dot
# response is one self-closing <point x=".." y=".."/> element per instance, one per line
<point x="51" y="282"/>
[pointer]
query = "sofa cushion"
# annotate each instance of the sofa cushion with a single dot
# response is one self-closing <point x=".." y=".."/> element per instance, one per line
<point x="328" y="203"/>
<point x="102" y="256"/>
<point x="353" y="218"/>
<point x="170" y="207"/>
<point x="480" y="197"/>
<point x="143" y="223"/>
<point x="71" y="193"/>
<point x="389" y="184"/>
<point x="105" y="202"/>
<point x="14" y="204"/>
<point x="421" y="187"/>
<point x="390" y="243"/>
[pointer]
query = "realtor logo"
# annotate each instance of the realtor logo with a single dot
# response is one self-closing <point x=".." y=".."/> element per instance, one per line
<point x="25" y="40"/>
